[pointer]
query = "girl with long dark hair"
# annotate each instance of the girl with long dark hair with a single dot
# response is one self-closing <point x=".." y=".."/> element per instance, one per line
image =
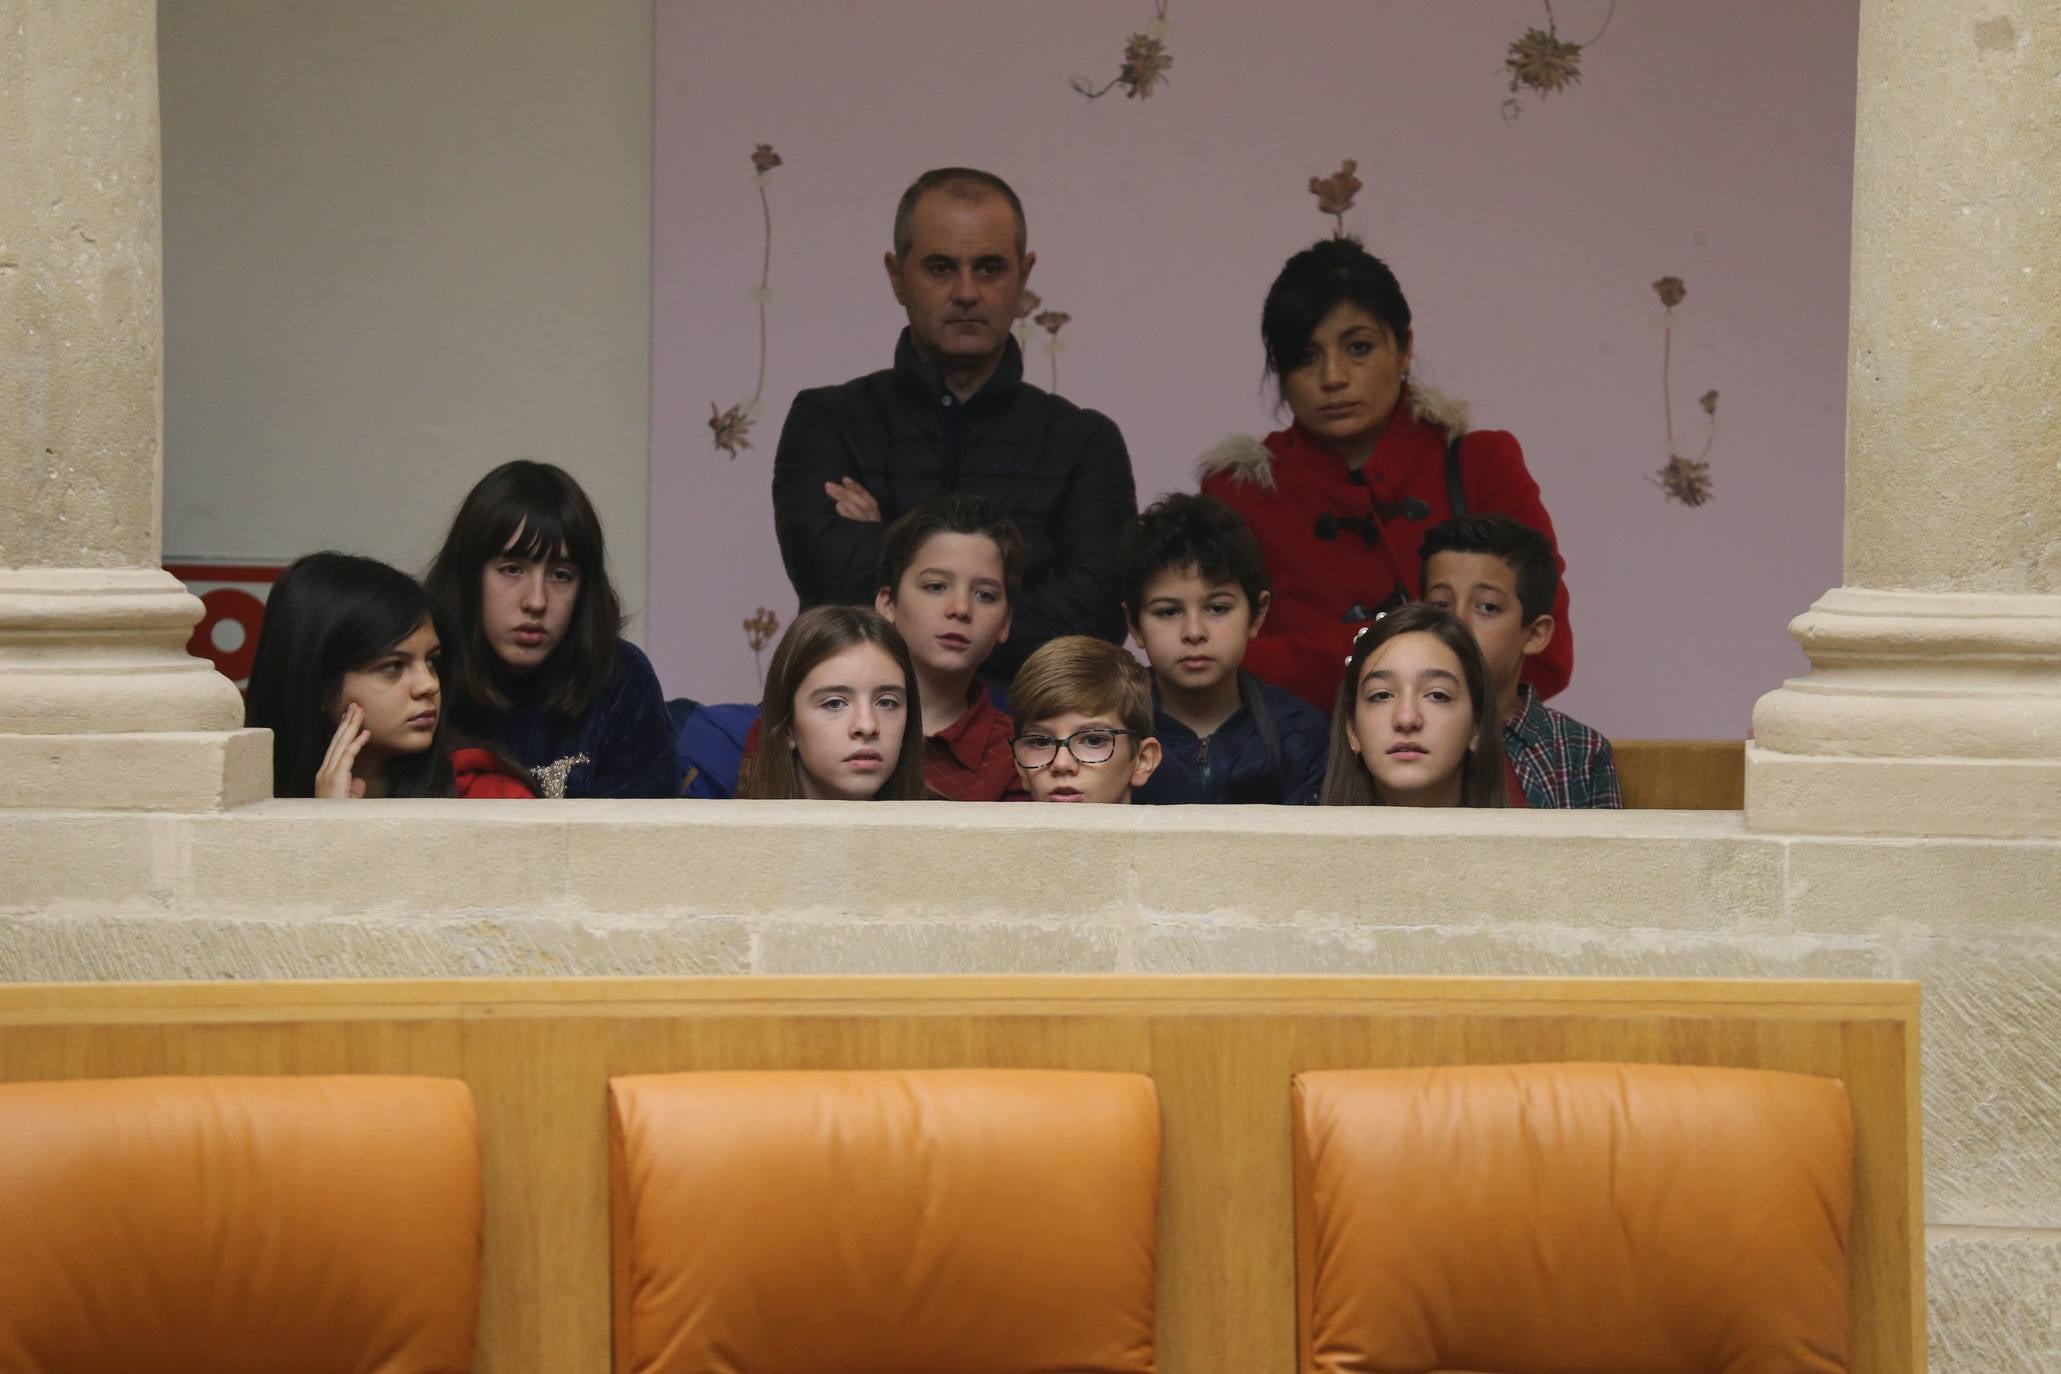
<point x="841" y="719"/>
<point x="1415" y="722"/>
<point x="539" y="664"/>
<point x="347" y="678"/>
<point x="1341" y="499"/>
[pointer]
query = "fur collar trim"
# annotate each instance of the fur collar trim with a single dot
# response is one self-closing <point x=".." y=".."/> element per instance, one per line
<point x="1245" y="458"/>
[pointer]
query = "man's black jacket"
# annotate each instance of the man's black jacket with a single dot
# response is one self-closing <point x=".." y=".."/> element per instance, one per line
<point x="1060" y="472"/>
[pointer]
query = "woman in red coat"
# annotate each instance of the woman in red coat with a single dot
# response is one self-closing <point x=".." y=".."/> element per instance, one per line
<point x="1341" y="499"/>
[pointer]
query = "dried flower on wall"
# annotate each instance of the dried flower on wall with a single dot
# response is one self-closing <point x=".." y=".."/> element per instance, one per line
<point x="1052" y="321"/>
<point x="1686" y="480"/>
<point x="729" y="427"/>
<point x="1335" y="193"/>
<point x="759" y="628"/>
<point x="1145" y="65"/>
<point x="1545" y="63"/>
<point x="1030" y="304"/>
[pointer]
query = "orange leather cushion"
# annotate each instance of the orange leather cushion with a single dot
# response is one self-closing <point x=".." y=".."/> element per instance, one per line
<point x="239" y="1226"/>
<point x="950" y="1221"/>
<point x="1572" y="1219"/>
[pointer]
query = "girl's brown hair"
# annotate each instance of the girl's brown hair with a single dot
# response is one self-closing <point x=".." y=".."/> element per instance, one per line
<point x="815" y="635"/>
<point x="1347" y="781"/>
<point x="554" y="518"/>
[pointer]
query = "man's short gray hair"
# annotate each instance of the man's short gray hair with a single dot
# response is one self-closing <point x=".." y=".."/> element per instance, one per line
<point x="963" y="183"/>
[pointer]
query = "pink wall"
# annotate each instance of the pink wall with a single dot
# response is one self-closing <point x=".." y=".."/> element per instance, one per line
<point x="1707" y="141"/>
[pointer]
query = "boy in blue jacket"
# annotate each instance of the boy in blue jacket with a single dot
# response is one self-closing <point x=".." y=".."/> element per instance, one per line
<point x="1195" y="593"/>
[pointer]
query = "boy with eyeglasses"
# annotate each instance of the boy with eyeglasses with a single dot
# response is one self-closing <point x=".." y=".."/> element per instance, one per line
<point x="1083" y="709"/>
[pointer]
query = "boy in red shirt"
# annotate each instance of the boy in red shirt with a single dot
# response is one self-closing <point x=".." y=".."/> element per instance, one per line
<point x="949" y="571"/>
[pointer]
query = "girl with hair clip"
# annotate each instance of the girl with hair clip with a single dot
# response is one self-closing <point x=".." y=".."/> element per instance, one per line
<point x="1341" y="499"/>
<point x="539" y="661"/>
<point x="346" y="678"/>
<point x="1415" y="723"/>
<point x="841" y="719"/>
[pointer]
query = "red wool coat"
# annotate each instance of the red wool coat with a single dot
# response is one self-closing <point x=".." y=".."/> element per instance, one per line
<point x="1288" y="486"/>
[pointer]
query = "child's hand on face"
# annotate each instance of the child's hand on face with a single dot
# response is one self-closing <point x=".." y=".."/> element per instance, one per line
<point x="334" y="778"/>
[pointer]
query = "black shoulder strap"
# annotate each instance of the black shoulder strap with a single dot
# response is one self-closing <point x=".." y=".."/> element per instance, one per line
<point x="1263" y="720"/>
<point x="1456" y="488"/>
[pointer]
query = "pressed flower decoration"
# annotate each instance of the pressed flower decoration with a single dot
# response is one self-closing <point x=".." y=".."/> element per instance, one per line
<point x="1545" y="63"/>
<point x="759" y="628"/>
<point x="1145" y="65"/>
<point x="1052" y="321"/>
<point x="730" y="428"/>
<point x="1029" y="305"/>
<point x="1683" y="479"/>
<point x="1335" y="193"/>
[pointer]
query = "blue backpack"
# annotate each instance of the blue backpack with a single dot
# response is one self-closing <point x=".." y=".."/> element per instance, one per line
<point x="708" y="744"/>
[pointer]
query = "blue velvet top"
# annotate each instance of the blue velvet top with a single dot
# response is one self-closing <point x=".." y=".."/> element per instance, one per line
<point x="621" y="747"/>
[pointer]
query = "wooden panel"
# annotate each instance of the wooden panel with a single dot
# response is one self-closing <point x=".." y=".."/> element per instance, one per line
<point x="538" y="1055"/>
<point x="1682" y="774"/>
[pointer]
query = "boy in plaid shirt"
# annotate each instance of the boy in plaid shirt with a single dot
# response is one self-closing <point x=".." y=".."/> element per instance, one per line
<point x="1500" y="578"/>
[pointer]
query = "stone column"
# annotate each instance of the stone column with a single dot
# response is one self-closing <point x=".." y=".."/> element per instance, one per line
<point x="100" y="705"/>
<point x="1933" y="704"/>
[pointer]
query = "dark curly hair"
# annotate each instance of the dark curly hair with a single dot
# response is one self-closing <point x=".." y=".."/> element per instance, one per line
<point x="1185" y="530"/>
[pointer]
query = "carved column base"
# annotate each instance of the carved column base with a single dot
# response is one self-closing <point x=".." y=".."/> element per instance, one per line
<point x="1923" y="714"/>
<point x="101" y="706"/>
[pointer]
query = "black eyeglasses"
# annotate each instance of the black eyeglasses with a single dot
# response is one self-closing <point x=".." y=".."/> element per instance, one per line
<point x="1094" y="745"/>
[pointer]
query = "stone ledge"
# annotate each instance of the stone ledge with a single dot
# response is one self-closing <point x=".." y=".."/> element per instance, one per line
<point x="1698" y="872"/>
<point x="1833" y="794"/>
<point x="170" y="771"/>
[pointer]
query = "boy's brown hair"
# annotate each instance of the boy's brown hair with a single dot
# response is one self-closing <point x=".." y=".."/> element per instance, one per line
<point x="955" y="512"/>
<point x="1079" y="673"/>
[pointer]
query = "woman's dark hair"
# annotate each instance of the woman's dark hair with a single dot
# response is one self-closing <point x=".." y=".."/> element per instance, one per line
<point x="1312" y="283"/>
<point x="532" y="510"/>
<point x="1185" y="530"/>
<point x="1347" y="781"/>
<point x="328" y="614"/>
<point x="815" y="635"/>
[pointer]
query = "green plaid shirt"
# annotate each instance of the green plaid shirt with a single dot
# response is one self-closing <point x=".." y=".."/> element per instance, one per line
<point x="1561" y="763"/>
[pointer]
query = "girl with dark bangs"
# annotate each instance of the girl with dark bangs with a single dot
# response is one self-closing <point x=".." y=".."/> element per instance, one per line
<point x="1415" y="723"/>
<point x="539" y="661"/>
<point x="841" y="719"/>
<point x="346" y="677"/>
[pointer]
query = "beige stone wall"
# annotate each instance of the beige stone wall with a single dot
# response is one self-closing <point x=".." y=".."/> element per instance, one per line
<point x="397" y="889"/>
<point x="1954" y="438"/>
<point x="78" y="291"/>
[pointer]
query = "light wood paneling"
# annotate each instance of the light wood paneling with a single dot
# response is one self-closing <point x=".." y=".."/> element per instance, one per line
<point x="538" y="1055"/>
<point x="1681" y="774"/>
